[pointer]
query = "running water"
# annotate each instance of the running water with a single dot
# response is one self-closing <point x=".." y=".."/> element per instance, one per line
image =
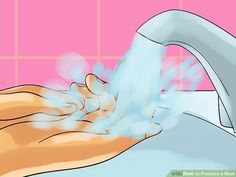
<point x="137" y="85"/>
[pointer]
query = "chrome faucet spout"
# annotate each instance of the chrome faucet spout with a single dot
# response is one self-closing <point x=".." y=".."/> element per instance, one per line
<point x="211" y="45"/>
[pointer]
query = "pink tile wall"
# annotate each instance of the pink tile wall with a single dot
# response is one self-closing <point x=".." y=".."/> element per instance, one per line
<point x="33" y="71"/>
<point x="52" y="27"/>
<point x="7" y="73"/>
<point x="120" y="19"/>
<point x="34" y="34"/>
<point x="7" y="26"/>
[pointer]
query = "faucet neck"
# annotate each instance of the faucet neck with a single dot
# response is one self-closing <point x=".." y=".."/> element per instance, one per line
<point x="211" y="45"/>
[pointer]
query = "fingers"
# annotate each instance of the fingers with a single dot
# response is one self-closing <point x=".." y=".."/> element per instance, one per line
<point x="47" y="93"/>
<point x="100" y="88"/>
<point x="93" y="115"/>
<point x="89" y="101"/>
<point x="38" y="90"/>
<point x="17" y="105"/>
<point x="96" y="85"/>
<point x="155" y="129"/>
<point x="80" y="90"/>
<point x="43" y="105"/>
<point x="92" y="85"/>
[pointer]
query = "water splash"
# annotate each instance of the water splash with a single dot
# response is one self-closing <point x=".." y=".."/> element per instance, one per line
<point x="72" y="67"/>
<point x="138" y="86"/>
<point x="138" y="83"/>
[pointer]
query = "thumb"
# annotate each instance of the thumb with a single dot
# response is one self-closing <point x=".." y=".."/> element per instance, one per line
<point x="137" y="132"/>
<point x="123" y="143"/>
<point x="154" y="130"/>
<point x="142" y="130"/>
<point x="22" y="104"/>
<point x="95" y="84"/>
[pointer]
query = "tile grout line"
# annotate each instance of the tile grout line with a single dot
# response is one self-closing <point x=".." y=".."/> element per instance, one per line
<point x="98" y="56"/>
<point x="16" y="42"/>
<point x="98" y="28"/>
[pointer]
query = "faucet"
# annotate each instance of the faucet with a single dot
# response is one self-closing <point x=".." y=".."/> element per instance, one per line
<point x="214" y="48"/>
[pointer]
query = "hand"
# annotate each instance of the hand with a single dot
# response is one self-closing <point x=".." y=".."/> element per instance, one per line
<point x="27" y="150"/>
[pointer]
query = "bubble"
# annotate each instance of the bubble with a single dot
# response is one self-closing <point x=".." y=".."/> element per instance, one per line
<point x="141" y="127"/>
<point x="77" y="74"/>
<point x="42" y="121"/>
<point x="72" y="66"/>
<point x="42" y="125"/>
<point x="69" y="123"/>
<point x="98" y="69"/>
<point x="91" y="104"/>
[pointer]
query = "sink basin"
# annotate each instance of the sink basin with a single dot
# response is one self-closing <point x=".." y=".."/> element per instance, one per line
<point x="192" y="144"/>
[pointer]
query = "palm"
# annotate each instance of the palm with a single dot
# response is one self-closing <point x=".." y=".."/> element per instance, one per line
<point x="40" y="148"/>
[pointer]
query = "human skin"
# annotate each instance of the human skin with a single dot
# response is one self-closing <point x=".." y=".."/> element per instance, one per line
<point x="26" y="150"/>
